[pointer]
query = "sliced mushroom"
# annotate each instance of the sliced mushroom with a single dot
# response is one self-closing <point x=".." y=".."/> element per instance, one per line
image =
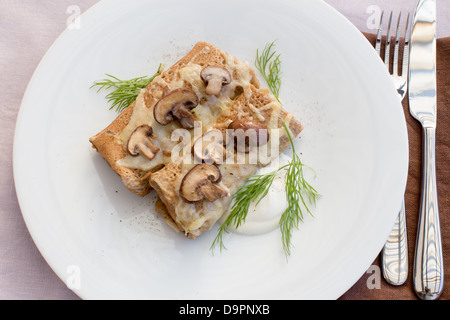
<point x="214" y="78"/>
<point x="177" y="103"/>
<point x="140" y="142"/>
<point x="201" y="183"/>
<point x="210" y="147"/>
<point x="248" y="133"/>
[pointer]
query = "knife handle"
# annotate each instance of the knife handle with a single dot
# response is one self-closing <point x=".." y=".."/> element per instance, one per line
<point x="428" y="271"/>
<point x="394" y="257"/>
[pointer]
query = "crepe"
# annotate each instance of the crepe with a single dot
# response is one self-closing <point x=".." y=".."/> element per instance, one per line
<point x="111" y="141"/>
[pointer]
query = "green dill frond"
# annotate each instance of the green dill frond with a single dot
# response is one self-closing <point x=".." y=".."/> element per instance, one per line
<point x="299" y="194"/>
<point x="269" y="65"/>
<point x="124" y="92"/>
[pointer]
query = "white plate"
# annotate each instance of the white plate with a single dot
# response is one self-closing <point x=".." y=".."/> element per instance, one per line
<point x="108" y="243"/>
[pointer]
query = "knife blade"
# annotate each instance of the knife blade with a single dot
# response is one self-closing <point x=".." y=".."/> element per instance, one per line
<point x="428" y="271"/>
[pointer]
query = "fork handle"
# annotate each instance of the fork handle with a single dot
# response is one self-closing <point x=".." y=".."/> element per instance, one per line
<point x="394" y="258"/>
<point x="428" y="274"/>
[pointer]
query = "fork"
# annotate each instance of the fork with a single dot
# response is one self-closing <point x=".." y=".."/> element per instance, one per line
<point x="394" y="259"/>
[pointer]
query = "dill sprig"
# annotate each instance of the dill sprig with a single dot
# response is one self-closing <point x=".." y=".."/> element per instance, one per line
<point x="299" y="194"/>
<point x="124" y="91"/>
<point x="269" y="65"/>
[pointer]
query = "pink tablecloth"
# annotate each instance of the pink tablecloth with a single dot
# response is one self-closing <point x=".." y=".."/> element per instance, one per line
<point x="27" y="30"/>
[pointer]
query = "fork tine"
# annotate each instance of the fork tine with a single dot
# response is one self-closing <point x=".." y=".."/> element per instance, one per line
<point x="379" y="35"/>
<point x="396" y="49"/>
<point x="406" y="48"/>
<point x="387" y="52"/>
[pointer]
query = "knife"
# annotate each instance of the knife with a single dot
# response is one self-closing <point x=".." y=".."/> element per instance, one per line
<point x="428" y="272"/>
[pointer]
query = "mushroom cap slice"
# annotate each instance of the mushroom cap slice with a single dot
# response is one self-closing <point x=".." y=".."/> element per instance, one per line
<point x="248" y="133"/>
<point x="140" y="142"/>
<point x="210" y="147"/>
<point x="184" y="115"/>
<point x="201" y="183"/>
<point x="214" y="78"/>
<point x="177" y="103"/>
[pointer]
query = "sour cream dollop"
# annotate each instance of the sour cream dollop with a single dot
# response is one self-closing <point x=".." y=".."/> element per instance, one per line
<point x="265" y="216"/>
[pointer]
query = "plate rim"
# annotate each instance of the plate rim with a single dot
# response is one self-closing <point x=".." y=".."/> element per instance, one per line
<point x="21" y="194"/>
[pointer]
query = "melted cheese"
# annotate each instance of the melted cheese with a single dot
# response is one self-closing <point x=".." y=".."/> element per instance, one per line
<point x="141" y="162"/>
<point x="144" y="115"/>
<point x="209" y="109"/>
<point x="193" y="217"/>
<point x="141" y="115"/>
<point x="191" y="74"/>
